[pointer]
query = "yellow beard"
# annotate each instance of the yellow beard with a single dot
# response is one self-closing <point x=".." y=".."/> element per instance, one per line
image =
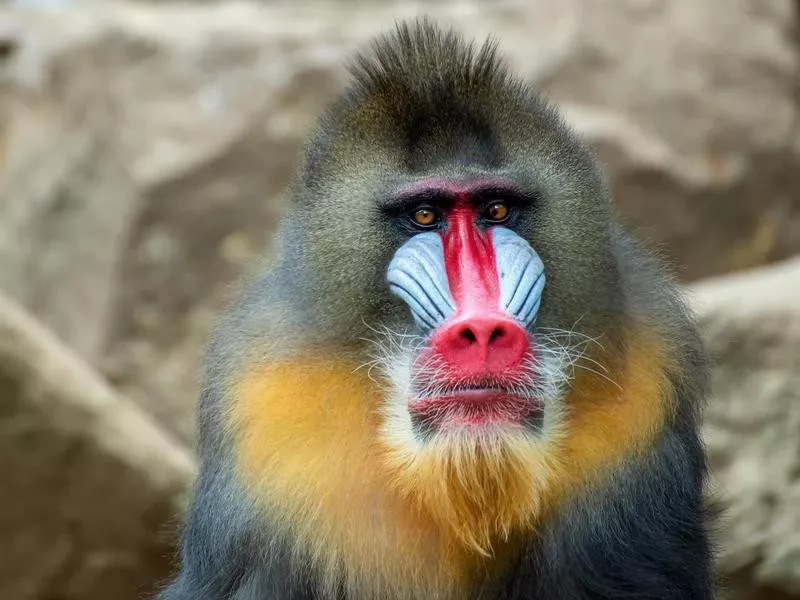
<point x="483" y="490"/>
<point x="387" y="520"/>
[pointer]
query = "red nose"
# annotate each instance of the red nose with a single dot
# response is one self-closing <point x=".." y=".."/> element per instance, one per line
<point x="481" y="344"/>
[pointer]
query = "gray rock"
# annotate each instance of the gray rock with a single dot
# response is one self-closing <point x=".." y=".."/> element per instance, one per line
<point x="91" y="485"/>
<point x="751" y="326"/>
<point x="693" y="107"/>
<point x="66" y="200"/>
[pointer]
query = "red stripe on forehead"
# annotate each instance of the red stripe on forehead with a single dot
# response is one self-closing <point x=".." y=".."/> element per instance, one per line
<point x="470" y="262"/>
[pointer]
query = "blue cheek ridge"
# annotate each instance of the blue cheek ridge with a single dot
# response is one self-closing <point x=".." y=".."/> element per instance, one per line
<point x="522" y="277"/>
<point x="531" y="307"/>
<point x="412" y="291"/>
<point x="416" y="275"/>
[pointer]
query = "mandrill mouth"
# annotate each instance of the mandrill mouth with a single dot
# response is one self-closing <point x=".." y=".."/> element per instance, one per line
<point x="475" y="404"/>
<point x="477" y="372"/>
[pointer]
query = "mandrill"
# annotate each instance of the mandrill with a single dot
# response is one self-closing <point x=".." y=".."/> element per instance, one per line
<point x="459" y="378"/>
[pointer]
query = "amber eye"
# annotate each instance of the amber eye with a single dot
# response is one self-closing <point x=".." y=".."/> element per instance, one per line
<point x="425" y="217"/>
<point x="497" y="212"/>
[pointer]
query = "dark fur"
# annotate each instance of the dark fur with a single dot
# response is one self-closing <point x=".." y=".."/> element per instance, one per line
<point x="426" y="103"/>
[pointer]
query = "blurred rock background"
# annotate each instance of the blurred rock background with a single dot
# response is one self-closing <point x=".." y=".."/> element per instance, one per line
<point x="144" y="151"/>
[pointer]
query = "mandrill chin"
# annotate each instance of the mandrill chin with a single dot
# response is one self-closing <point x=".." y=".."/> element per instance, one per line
<point x="459" y="378"/>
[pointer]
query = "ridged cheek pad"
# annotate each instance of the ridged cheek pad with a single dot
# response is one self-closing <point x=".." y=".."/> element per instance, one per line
<point x="418" y="274"/>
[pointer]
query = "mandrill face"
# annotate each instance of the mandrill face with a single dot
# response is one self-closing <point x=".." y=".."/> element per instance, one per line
<point x="473" y="288"/>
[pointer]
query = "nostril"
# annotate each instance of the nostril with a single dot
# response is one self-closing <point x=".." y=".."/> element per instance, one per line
<point x="496" y="334"/>
<point x="481" y="343"/>
<point x="469" y="335"/>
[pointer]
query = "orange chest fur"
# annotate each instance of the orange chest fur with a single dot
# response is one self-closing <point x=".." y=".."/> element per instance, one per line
<point x="308" y="434"/>
<point x="309" y="450"/>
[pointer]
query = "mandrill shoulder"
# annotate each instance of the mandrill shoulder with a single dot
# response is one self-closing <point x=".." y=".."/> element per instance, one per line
<point x="641" y="528"/>
<point x="653" y="297"/>
<point x="640" y="533"/>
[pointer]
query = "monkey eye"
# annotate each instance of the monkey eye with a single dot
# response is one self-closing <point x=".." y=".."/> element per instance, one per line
<point x="496" y="212"/>
<point x="425" y="216"/>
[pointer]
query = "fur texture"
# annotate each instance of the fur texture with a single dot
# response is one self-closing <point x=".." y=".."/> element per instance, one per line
<point x="315" y="484"/>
